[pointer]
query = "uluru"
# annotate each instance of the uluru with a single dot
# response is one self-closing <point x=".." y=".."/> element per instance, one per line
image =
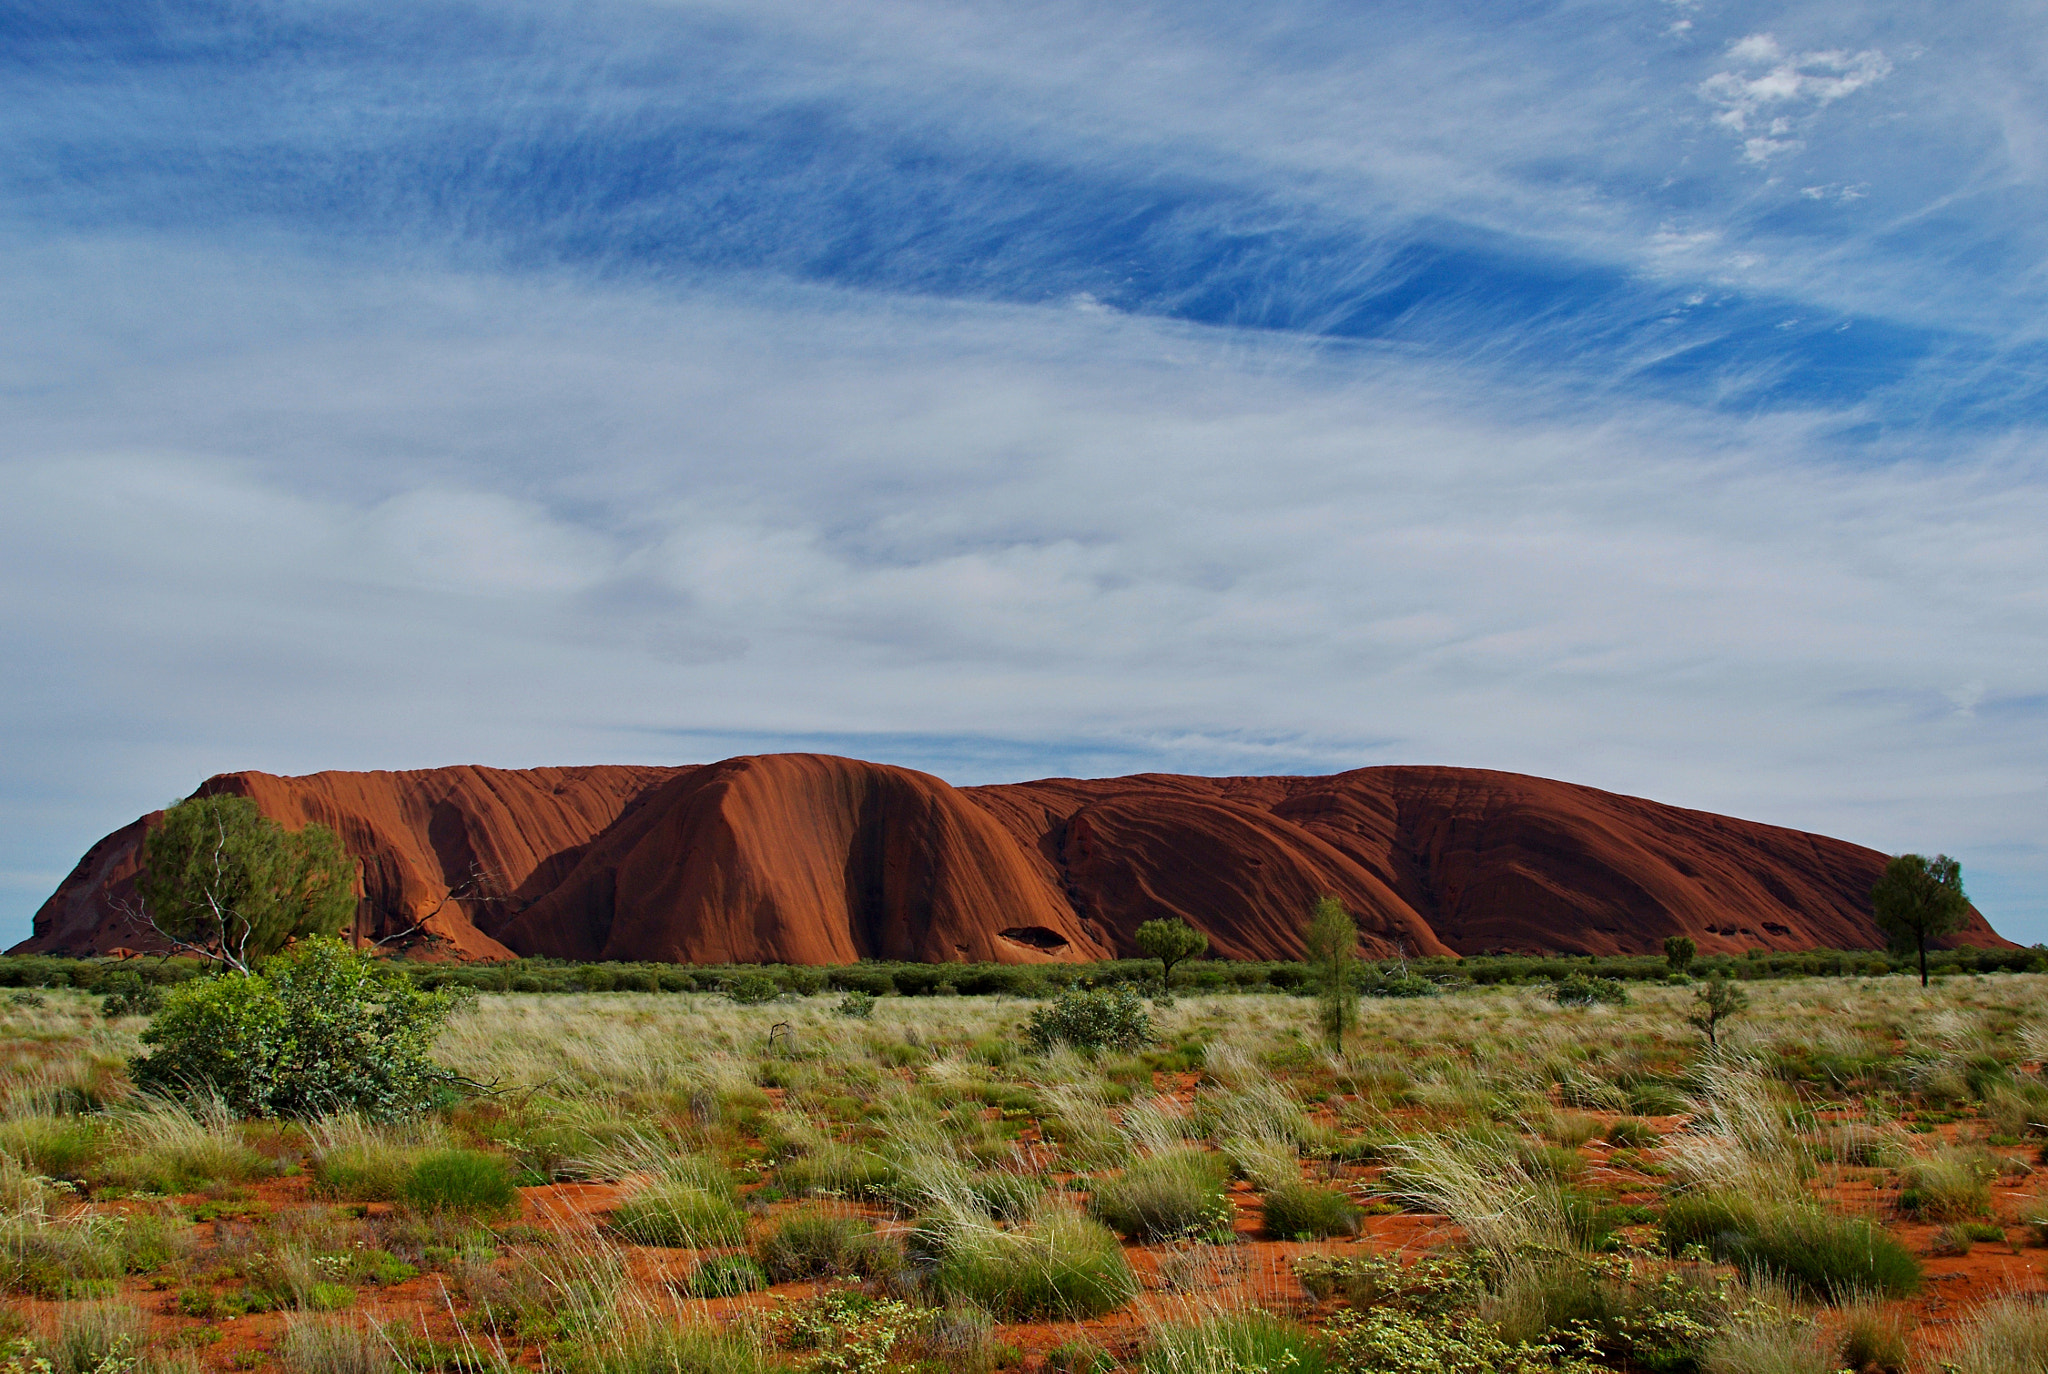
<point x="816" y="859"/>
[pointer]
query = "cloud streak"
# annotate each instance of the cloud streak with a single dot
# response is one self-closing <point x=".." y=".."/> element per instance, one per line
<point x="1019" y="388"/>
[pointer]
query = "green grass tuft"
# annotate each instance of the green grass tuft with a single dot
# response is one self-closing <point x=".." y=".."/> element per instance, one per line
<point x="467" y="1182"/>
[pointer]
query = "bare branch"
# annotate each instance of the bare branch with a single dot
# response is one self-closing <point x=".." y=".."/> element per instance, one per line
<point x="469" y="889"/>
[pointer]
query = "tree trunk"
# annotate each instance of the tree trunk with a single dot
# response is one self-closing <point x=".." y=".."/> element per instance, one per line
<point x="1923" y="961"/>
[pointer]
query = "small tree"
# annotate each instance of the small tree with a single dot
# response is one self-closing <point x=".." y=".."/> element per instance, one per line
<point x="225" y="882"/>
<point x="1919" y="900"/>
<point x="1169" y="941"/>
<point x="1332" y="941"/>
<point x="1679" y="952"/>
<point x="1714" y="1003"/>
<point x="322" y="1029"/>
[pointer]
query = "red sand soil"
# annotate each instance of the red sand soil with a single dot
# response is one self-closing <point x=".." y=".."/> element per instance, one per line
<point x="808" y="858"/>
<point x="1255" y="1271"/>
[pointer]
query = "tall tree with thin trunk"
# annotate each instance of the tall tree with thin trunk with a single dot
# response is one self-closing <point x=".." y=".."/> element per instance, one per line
<point x="1332" y="940"/>
<point x="1917" y="901"/>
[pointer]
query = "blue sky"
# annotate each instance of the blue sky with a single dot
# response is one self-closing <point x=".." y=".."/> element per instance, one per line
<point x="1649" y="395"/>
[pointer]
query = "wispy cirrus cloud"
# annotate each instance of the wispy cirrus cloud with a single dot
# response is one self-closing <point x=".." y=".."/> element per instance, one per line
<point x="1647" y="395"/>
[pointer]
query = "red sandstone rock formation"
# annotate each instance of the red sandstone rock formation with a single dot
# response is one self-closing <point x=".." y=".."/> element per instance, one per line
<point x="810" y="859"/>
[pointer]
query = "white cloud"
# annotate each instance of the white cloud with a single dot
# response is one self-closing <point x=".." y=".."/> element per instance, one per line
<point x="1764" y="79"/>
<point x="794" y="514"/>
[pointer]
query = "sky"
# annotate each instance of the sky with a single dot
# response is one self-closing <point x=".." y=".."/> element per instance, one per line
<point x="1649" y="395"/>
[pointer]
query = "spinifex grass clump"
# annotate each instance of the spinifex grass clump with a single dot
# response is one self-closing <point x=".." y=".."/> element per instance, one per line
<point x="650" y="1343"/>
<point x="1947" y="1187"/>
<point x="676" y="1213"/>
<point x="1229" y="1343"/>
<point x="1166" y="1197"/>
<point x="168" y="1147"/>
<point x="1056" y="1267"/>
<point x="2008" y="1336"/>
<point x="1820" y="1253"/>
<point x="832" y="1169"/>
<point x="468" y="1182"/>
<point x="54" y="1146"/>
<point x="817" y="1245"/>
<point x="1301" y="1211"/>
<point x="726" y="1276"/>
<point x="326" y="1345"/>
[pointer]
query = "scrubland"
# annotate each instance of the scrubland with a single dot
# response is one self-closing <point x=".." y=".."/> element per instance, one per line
<point x="1481" y="1180"/>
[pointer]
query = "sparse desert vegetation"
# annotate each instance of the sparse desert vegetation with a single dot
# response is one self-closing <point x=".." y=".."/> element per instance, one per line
<point x="1485" y="1178"/>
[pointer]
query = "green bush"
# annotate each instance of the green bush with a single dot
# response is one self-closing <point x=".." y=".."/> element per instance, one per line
<point x="1112" y="1019"/>
<point x="1578" y="990"/>
<point x="322" y="1029"/>
<point x="679" y="1215"/>
<point x="817" y="1245"/>
<point x="1817" y="1252"/>
<point x="753" y="989"/>
<point x="725" y="1276"/>
<point x="1296" y="1211"/>
<point x="127" y="993"/>
<point x="859" y="1005"/>
<point x="1060" y="1267"/>
<point x="1166" y="1196"/>
<point x="466" y="1182"/>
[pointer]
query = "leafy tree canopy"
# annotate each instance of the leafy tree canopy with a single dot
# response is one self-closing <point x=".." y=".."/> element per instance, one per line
<point x="222" y="880"/>
<point x="1917" y="901"/>
<point x="1169" y="942"/>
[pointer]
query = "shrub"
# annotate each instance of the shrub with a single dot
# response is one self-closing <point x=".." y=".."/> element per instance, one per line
<point x="1397" y="1342"/>
<point x="1162" y="1197"/>
<point x="1110" y="1019"/>
<point x="753" y="989"/>
<point x="725" y="1276"/>
<point x="127" y="994"/>
<point x="859" y="1005"/>
<point x="817" y="1245"/>
<point x="1295" y="1211"/>
<point x="1379" y="982"/>
<point x="1820" y="1253"/>
<point x="677" y="1214"/>
<point x="322" y="1029"/>
<point x="1578" y="990"/>
<point x="465" y="1182"/>
<point x="1060" y="1267"/>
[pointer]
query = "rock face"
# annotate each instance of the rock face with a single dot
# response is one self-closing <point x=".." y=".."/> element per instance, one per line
<point x="805" y="858"/>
